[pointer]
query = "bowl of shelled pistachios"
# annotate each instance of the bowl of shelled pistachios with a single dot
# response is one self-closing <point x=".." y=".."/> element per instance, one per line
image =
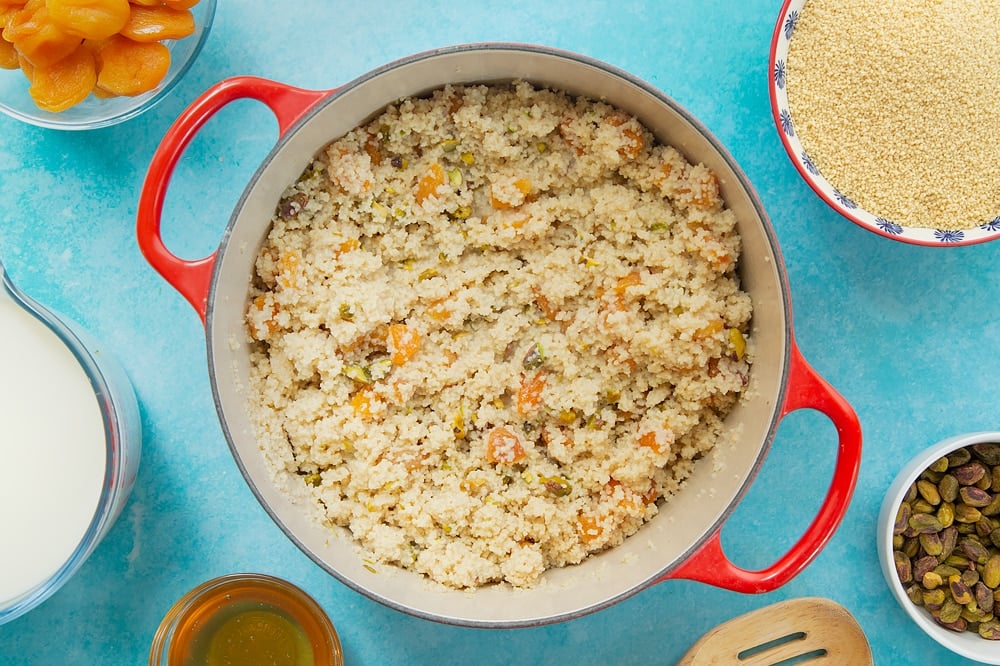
<point x="939" y="543"/>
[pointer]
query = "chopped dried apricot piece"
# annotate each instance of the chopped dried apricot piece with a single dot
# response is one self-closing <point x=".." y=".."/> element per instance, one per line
<point x="404" y="343"/>
<point x="61" y="85"/>
<point x="503" y="446"/>
<point x="348" y="245"/>
<point x="529" y="395"/>
<point x="545" y="305"/>
<point x="709" y="329"/>
<point x="570" y="136"/>
<point x="429" y="183"/>
<point x="373" y="149"/>
<point x="361" y="403"/>
<point x="155" y="24"/>
<point x="589" y="528"/>
<point x="633" y="279"/>
<point x="125" y="67"/>
<point x="504" y="195"/>
<point x="290" y="266"/>
<point x="263" y="322"/>
<point x="704" y="192"/>
<point x="653" y="441"/>
<point x="632" y="137"/>
<point x="90" y="19"/>
<point x="438" y="310"/>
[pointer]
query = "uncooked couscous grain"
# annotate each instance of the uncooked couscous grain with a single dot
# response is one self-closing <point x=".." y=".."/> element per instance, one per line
<point x="493" y="329"/>
<point x="896" y="105"/>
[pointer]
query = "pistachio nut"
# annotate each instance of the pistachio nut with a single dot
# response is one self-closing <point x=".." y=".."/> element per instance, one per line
<point x="904" y="568"/>
<point x="990" y="574"/>
<point x="939" y="465"/>
<point x="931" y="543"/>
<point x="974" y="496"/>
<point x="949" y="539"/>
<point x="993" y="508"/>
<point x="970" y="474"/>
<point x="948" y="488"/>
<point x="946" y="513"/>
<point x="930" y="580"/>
<point x="990" y="630"/>
<point x="984" y="596"/>
<point x="965" y="513"/>
<point x="958" y="457"/>
<point x="925" y="523"/>
<point x="934" y="599"/>
<point x="950" y="611"/>
<point x="923" y="565"/>
<point x="902" y="518"/>
<point x="988" y="452"/>
<point x="960" y="592"/>
<point x="929" y="491"/>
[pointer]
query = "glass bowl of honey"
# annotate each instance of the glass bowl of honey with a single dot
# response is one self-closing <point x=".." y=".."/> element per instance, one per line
<point x="246" y="618"/>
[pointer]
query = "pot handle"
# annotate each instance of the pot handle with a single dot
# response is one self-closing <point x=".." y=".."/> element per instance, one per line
<point x="192" y="277"/>
<point x="806" y="390"/>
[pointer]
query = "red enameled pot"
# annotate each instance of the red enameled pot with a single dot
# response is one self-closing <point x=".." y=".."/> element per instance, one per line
<point x="683" y="541"/>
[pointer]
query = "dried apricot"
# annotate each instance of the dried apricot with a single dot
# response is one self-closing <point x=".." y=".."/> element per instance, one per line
<point x="26" y="67"/>
<point x="61" y="85"/>
<point x="8" y="55"/>
<point x="180" y="4"/>
<point x="154" y="24"/>
<point x="37" y="38"/>
<point x="90" y="19"/>
<point x="125" y="67"/>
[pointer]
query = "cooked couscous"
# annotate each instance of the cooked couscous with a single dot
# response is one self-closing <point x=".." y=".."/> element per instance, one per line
<point x="493" y="328"/>
<point x="895" y="104"/>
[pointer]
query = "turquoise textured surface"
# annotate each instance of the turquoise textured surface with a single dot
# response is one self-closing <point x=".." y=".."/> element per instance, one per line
<point x="907" y="334"/>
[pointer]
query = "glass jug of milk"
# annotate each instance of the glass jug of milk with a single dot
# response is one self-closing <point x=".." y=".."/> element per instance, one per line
<point x="70" y="440"/>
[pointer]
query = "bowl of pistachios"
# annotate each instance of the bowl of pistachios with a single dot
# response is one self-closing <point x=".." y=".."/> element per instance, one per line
<point x="939" y="543"/>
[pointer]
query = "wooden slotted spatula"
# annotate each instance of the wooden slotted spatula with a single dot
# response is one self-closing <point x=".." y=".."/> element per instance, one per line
<point x="805" y="631"/>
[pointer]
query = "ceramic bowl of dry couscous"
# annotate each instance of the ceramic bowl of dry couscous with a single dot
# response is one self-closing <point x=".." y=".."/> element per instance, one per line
<point x="887" y="110"/>
<point x="499" y="335"/>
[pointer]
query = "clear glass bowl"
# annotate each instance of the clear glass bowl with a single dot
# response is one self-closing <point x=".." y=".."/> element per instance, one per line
<point x="93" y="112"/>
<point x="246" y="618"/>
<point x="119" y="412"/>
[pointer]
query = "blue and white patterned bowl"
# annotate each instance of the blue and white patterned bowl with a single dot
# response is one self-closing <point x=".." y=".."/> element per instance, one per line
<point x="784" y="31"/>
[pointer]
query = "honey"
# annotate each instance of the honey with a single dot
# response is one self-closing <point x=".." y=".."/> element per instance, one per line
<point x="245" y="620"/>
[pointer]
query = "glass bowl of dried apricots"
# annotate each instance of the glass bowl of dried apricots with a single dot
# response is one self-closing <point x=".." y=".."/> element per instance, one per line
<point x="84" y="64"/>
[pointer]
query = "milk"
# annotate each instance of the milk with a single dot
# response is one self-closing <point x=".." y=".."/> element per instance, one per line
<point x="52" y="452"/>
